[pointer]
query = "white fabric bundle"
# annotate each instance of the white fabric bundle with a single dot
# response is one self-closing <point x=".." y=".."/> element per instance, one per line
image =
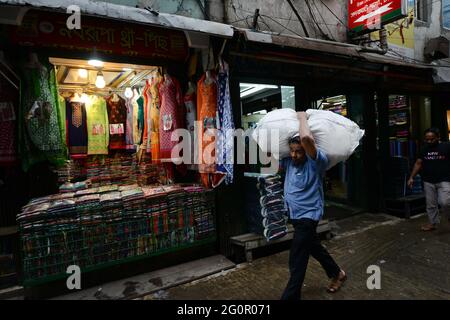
<point x="334" y="134"/>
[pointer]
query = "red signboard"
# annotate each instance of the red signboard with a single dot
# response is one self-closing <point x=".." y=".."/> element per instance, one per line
<point x="367" y="15"/>
<point x="49" y="30"/>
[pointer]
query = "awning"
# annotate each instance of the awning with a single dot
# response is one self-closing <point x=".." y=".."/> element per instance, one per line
<point x="328" y="47"/>
<point x="114" y="11"/>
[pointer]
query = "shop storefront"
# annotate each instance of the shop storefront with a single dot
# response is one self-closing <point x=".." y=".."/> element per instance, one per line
<point x="89" y="115"/>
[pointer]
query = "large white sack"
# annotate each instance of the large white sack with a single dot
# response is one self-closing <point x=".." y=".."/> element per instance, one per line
<point x="334" y="134"/>
<point x="283" y="122"/>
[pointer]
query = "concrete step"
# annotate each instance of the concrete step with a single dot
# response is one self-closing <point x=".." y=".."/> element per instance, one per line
<point x="148" y="283"/>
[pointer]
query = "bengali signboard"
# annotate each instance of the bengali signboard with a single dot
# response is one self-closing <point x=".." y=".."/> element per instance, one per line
<point x="49" y="30"/>
<point x="367" y="15"/>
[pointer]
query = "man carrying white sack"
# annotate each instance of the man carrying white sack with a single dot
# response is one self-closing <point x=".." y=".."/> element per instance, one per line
<point x="303" y="193"/>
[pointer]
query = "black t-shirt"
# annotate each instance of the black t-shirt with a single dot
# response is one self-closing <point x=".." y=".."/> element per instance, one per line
<point x="436" y="163"/>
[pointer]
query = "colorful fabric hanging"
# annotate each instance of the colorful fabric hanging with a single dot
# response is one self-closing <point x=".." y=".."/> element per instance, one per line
<point x="154" y="119"/>
<point x="129" y="128"/>
<point x="97" y="125"/>
<point x="146" y="94"/>
<point x="225" y="146"/>
<point x="39" y="131"/>
<point x="207" y="115"/>
<point x="117" y="118"/>
<point x="191" y="116"/>
<point x="76" y="127"/>
<point x="9" y="99"/>
<point x="170" y="120"/>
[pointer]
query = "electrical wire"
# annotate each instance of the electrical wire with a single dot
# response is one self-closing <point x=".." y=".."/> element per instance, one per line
<point x="315" y="21"/>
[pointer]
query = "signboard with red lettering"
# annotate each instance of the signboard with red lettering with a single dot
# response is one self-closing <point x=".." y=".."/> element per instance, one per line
<point x="369" y="15"/>
<point x="49" y="30"/>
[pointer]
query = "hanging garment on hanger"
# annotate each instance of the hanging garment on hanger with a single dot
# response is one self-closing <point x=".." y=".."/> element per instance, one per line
<point x="225" y="146"/>
<point x="62" y="123"/>
<point x="154" y="119"/>
<point x="9" y="102"/>
<point x="76" y="127"/>
<point x="40" y="136"/>
<point x="139" y="129"/>
<point x="129" y="140"/>
<point x="117" y="118"/>
<point x="97" y="125"/>
<point x="171" y="104"/>
<point x="146" y="94"/>
<point x="207" y="115"/>
<point x="191" y="116"/>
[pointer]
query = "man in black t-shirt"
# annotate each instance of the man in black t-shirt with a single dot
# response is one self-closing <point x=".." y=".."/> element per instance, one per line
<point x="434" y="161"/>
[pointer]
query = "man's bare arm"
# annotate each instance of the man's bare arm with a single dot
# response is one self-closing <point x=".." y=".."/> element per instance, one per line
<point x="306" y="137"/>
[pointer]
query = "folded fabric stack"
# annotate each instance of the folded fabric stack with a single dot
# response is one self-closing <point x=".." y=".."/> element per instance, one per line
<point x="70" y="171"/>
<point x="108" y="223"/>
<point x="73" y="187"/>
<point x="273" y="209"/>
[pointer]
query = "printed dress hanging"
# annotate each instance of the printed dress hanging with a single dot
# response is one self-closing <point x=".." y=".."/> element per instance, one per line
<point x="117" y="118"/>
<point x="154" y="119"/>
<point x="97" y="125"/>
<point x="171" y="103"/>
<point x="76" y="127"/>
<point x="207" y="115"/>
<point x="225" y="146"/>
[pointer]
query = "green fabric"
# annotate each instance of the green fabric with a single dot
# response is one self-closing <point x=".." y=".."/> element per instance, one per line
<point x="97" y="125"/>
<point x="38" y="128"/>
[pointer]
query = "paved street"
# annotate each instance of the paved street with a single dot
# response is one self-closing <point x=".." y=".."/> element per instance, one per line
<point x="414" y="265"/>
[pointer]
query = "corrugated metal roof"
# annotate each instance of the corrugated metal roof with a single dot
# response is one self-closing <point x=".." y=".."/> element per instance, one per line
<point x="126" y="13"/>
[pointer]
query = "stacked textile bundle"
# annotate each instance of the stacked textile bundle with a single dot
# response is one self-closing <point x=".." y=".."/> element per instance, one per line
<point x="273" y="207"/>
<point x="72" y="170"/>
<point x="109" y="223"/>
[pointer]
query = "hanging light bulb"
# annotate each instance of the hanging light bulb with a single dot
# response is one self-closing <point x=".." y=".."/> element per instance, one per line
<point x="100" y="81"/>
<point x="82" y="73"/>
<point x="128" y="92"/>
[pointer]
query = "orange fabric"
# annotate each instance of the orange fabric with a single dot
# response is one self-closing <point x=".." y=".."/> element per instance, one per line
<point x="147" y="101"/>
<point x="154" y="120"/>
<point x="207" y="115"/>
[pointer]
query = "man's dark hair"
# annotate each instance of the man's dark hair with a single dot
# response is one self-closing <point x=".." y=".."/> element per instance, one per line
<point x="432" y="130"/>
<point x="295" y="140"/>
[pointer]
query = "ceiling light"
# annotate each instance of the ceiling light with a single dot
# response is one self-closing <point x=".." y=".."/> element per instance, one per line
<point x="128" y="93"/>
<point x="96" y="63"/>
<point x="83" y="73"/>
<point x="100" y="81"/>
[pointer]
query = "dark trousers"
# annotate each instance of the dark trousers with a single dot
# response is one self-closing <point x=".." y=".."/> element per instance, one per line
<point x="305" y="243"/>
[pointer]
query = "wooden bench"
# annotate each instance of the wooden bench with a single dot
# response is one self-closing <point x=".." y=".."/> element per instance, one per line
<point x="406" y="206"/>
<point x="250" y="241"/>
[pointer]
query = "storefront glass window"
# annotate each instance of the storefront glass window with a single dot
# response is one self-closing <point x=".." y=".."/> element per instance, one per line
<point x="446" y="14"/>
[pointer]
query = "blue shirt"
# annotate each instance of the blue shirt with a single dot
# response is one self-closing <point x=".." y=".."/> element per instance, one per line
<point x="303" y="190"/>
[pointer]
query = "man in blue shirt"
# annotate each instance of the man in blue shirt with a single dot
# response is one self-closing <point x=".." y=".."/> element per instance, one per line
<point x="304" y="198"/>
